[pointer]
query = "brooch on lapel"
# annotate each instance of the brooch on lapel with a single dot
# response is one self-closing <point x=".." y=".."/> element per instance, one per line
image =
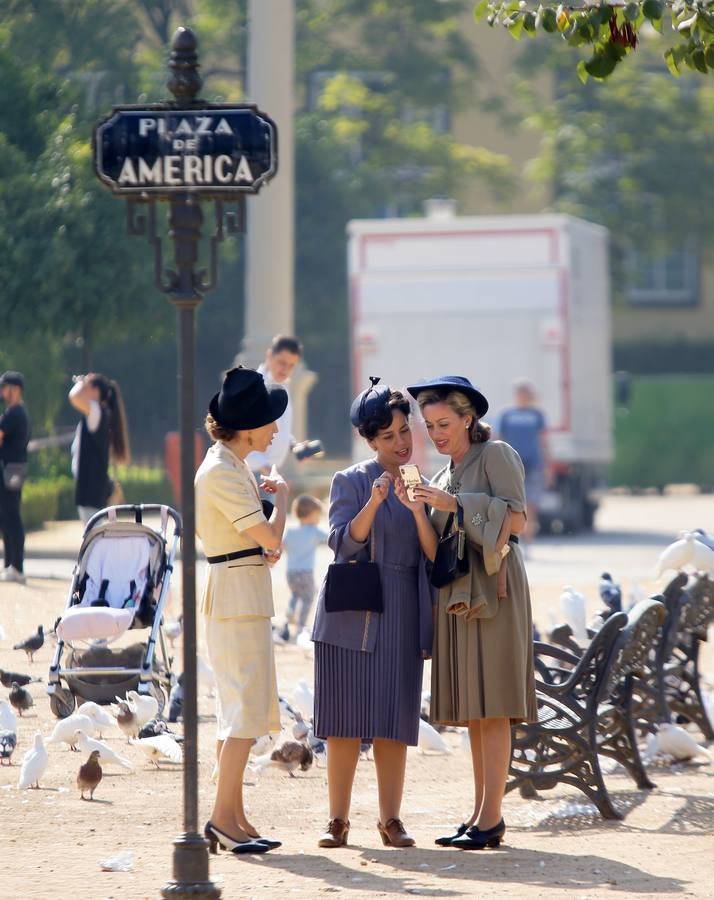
<point x="477" y="520"/>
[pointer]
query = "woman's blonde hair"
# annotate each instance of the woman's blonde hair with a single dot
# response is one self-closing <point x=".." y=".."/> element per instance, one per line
<point x="479" y="432"/>
<point x="217" y="432"/>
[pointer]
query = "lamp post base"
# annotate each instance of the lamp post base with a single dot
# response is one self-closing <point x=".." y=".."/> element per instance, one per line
<point x="191" y="870"/>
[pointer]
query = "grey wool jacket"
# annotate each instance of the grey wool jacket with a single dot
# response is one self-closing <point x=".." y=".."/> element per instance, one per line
<point x="350" y="490"/>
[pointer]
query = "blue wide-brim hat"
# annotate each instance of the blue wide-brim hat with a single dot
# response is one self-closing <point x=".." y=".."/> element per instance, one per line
<point x="370" y="403"/>
<point x="444" y="384"/>
<point x="245" y="401"/>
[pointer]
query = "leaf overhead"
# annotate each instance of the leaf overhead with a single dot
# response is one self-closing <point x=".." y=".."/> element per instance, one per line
<point x="613" y="29"/>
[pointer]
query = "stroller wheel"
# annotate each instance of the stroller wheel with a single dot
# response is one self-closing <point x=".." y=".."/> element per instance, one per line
<point x="62" y="703"/>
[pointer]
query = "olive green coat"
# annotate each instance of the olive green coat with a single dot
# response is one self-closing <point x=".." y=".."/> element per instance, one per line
<point x="482" y="663"/>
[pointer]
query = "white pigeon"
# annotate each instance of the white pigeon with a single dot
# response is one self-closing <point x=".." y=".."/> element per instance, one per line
<point x="262" y="745"/>
<point x="304" y="641"/>
<point x="304" y="699"/>
<point x="672" y="740"/>
<point x="676" y="556"/>
<point x="162" y="746"/>
<point x="703" y="558"/>
<point x="572" y="607"/>
<point x="430" y="739"/>
<point x="106" y="755"/>
<point x="101" y="718"/>
<point x="64" y="730"/>
<point x="8" y="719"/>
<point x="34" y="763"/>
<point x="300" y="729"/>
<point x="144" y="706"/>
<point x="173" y="630"/>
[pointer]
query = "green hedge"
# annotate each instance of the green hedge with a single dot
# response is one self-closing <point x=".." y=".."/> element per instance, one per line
<point x="673" y="356"/>
<point x="667" y="434"/>
<point x="49" y="499"/>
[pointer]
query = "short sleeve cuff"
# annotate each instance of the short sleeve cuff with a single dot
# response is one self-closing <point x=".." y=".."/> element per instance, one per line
<point x="249" y="520"/>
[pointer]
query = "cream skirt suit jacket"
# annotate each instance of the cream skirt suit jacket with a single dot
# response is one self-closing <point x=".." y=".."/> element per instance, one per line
<point x="237" y="600"/>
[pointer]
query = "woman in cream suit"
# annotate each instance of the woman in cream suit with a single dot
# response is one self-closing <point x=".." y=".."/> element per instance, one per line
<point x="237" y="601"/>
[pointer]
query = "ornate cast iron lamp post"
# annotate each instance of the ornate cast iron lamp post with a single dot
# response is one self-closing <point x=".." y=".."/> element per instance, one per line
<point x="185" y="151"/>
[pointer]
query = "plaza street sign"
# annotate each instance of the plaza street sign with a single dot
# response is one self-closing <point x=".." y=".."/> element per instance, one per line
<point x="213" y="150"/>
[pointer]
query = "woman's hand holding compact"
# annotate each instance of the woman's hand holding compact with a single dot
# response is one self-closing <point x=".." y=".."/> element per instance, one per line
<point x="400" y="489"/>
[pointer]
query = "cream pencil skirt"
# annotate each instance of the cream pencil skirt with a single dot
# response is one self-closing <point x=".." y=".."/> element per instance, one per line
<point x="240" y="650"/>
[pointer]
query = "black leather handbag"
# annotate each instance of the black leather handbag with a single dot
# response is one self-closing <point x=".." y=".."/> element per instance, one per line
<point x="451" y="561"/>
<point x="354" y="586"/>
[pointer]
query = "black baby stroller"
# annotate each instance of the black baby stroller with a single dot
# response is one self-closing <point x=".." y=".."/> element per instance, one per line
<point x="120" y="582"/>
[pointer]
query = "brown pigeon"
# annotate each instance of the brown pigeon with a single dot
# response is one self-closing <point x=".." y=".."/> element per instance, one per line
<point x="90" y="774"/>
<point x="288" y="756"/>
<point x="20" y="698"/>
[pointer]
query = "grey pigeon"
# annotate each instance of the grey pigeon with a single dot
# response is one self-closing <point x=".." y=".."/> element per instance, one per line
<point x="176" y="700"/>
<point x="32" y="644"/>
<point x="20" y="698"/>
<point x="7" y="678"/>
<point x="155" y="727"/>
<point x="8" y="742"/>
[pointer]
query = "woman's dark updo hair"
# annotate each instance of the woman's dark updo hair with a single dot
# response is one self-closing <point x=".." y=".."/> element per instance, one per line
<point x="383" y="419"/>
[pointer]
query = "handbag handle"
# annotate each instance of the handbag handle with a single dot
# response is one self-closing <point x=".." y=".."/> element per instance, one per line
<point x="450" y="521"/>
<point x="461" y="543"/>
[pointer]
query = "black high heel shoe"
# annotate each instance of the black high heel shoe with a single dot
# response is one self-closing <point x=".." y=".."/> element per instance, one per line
<point x="475" y="839"/>
<point x="448" y="839"/>
<point x="217" y="838"/>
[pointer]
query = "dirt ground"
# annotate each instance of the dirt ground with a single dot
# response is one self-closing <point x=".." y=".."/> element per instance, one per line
<point x="51" y="842"/>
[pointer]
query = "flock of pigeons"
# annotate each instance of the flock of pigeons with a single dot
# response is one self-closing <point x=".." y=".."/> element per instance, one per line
<point x="137" y="715"/>
<point x="692" y="551"/>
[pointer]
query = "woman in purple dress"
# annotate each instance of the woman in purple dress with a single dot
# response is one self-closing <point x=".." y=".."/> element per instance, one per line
<point x="368" y="666"/>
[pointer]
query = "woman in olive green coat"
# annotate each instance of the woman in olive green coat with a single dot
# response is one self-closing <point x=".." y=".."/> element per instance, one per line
<point x="482" y="669"/>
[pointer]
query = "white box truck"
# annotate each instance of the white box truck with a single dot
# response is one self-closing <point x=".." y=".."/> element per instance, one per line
<point x="494" y="298"/>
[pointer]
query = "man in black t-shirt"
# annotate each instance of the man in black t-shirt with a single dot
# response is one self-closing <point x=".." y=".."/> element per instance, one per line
<point x="14" y="435"/>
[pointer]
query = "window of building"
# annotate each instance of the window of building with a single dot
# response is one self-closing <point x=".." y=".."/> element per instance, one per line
<point x="669" y="278"/>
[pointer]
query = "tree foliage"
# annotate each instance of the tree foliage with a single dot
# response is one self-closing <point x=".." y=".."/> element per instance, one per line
<point x="615" y="156"/>
<point x="611" y="31"/>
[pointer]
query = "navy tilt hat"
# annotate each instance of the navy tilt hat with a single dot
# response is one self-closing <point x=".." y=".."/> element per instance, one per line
<point x="16" y="378"/>
<point x="444" y="384"/>
<point x="245" y="401"/>
<point x="370" y="403"/>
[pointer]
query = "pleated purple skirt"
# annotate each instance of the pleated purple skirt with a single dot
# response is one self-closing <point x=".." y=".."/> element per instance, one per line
<point x="375" y="695"/>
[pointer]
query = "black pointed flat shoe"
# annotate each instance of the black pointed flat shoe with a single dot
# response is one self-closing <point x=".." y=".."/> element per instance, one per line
<point x="448" y="839"/>
<point x="475" y="839"/>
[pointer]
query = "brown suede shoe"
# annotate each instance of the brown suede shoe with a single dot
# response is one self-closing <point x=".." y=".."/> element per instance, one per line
<point x="394" y="834"/>
<point x="336" y="834"/>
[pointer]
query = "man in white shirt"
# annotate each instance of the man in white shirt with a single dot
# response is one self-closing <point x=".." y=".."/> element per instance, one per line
<point x="280" y="361"/>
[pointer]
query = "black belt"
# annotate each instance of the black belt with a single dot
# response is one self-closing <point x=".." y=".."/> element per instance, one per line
<point x="238" y="554"/>
<point x="513" y="539"/>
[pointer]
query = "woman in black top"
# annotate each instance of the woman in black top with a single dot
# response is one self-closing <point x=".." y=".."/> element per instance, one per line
<point x="14" y="435"/>
<point x="101" y="436"/>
